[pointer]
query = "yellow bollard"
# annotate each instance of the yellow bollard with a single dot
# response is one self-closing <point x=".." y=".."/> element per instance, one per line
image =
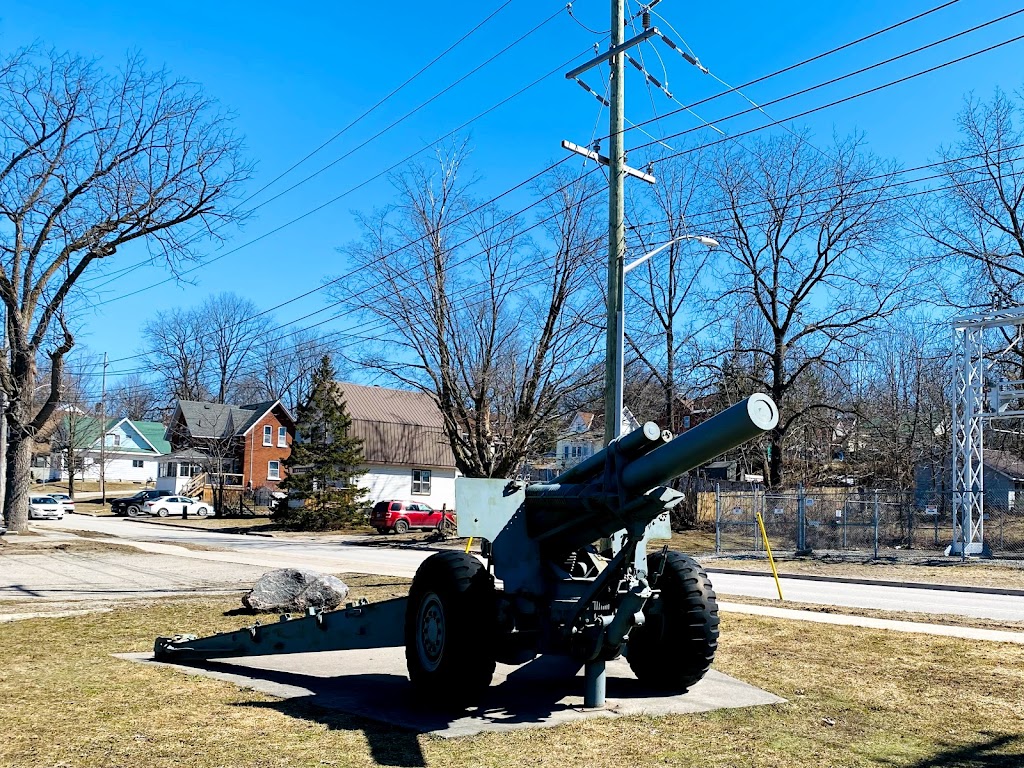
<point x="768" y="549"/>
<point x="469" y="544"/>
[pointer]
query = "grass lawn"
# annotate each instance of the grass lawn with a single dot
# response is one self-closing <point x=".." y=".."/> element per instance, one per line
<point x="857" y="697"/>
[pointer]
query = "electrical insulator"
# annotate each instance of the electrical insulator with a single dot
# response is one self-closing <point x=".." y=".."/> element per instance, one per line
<point x="647" y="18"/>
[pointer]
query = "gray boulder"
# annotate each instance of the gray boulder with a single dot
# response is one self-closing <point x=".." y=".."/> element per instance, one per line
<point x="294" y="589"/>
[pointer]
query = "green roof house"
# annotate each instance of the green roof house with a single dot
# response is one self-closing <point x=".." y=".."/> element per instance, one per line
<point x="126" y="449"/>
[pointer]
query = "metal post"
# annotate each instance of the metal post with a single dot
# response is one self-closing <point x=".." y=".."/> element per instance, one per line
<point x="595" y="681"/>
<point x="753" y="522"/>
<point x="718" y="519"/>
<point x="103" y="434"/>
<point x="801" y="539"/>
<point x="876" y="523"/>
<point x="594" y="694"/>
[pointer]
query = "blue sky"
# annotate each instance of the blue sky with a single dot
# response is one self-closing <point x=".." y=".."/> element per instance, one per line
<point x="295" y="76"/>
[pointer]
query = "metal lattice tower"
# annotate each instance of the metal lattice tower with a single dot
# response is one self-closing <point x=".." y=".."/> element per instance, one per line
<point x="971" y="408"/>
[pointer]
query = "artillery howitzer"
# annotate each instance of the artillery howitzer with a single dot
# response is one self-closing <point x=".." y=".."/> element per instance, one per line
<point x="559" y="593"/>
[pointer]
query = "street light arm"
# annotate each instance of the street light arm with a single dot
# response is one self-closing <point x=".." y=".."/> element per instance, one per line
<point x="710" y="242"/>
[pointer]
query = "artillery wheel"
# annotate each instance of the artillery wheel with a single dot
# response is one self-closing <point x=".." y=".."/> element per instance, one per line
<point x="134" y="510"/>
<point x="401" y="526"/>
<point x="450" y="625"/>
<point x="677" y="642"/>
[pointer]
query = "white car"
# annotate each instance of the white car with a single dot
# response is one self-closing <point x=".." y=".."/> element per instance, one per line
<point x="175" y="505"/>
<point x="65" y="501"/>
<point x="45" y="508"/>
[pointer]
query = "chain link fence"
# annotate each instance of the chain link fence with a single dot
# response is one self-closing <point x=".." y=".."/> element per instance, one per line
<point x="838" y="519"/>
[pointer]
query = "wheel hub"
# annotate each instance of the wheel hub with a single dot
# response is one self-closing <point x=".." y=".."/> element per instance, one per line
<point x="431" y="632"/>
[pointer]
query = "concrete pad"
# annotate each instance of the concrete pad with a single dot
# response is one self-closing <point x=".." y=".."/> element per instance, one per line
<point x="543" y="693"/>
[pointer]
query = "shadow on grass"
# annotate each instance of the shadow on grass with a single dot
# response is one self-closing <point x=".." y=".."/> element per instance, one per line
<point x="389" y="744"/>
<point x="384" y="707"/>
<point x="996" y="751"/>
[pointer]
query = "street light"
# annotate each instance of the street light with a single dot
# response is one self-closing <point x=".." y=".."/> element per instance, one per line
<point x="620" y="320"/>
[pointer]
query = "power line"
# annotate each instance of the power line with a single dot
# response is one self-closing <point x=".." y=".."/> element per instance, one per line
<point x="809" y="111"/>
<point x="703" y="101"/>
<point x="358" y="338"/>
<point x="127" y="270"/>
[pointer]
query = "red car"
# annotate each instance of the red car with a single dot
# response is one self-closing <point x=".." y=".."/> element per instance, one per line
<point x="400" y="516"/>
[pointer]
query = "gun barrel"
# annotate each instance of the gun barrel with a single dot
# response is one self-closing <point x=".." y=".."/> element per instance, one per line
<point x="570" y="514"/>
<point x="637" y="442"/>
<point x="734" y="426"/>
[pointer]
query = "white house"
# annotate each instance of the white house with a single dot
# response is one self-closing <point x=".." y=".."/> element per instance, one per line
<point x="129" y="454"/>
<point x="405" y="449"/>
<point x="585" y="436"/>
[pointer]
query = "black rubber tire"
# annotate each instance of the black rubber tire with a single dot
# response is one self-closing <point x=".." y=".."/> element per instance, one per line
<point x="450" y="629"/>
<point x="676" y="644"/>
<point x="134" y="510"/>
<point x="162" y="512"/>
<point x="382" y="530"/>
<point x="401" y="526"/>
<point x="202" y="511"/>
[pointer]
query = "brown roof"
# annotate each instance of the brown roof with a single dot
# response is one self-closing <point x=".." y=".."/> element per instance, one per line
<point x="396" y="406"/>
<point x="397" y="426"/>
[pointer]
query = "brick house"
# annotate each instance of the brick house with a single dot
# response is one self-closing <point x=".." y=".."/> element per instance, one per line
<point x="243" y="446"/>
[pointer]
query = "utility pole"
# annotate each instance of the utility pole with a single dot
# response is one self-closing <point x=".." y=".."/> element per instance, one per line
<point x="103" y="434"/>
<point x="595" y="677"/>
<point x="614" y="342"/>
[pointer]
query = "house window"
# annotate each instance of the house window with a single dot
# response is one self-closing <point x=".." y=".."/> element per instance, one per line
<point x="421" y="481"/>
<point x="113" y="439"/>
<point x="268" y="435"/>
<point x="282" y="437"/>
<point x="565" y="451"/>
<point x="686" y="422"/>
<point x="273" y="470"/>
<point x="138" y="463"/>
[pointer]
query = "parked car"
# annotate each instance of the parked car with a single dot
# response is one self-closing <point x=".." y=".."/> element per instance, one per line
<point x="45" y="508"/>
<point x="400" y="516"/>
<point x="175" y="505"/>
<point x="65" y="501"/>
<point x="132" y="505"/>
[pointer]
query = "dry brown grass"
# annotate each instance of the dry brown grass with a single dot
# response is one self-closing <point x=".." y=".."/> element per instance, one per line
<point x="16" y="545"/>
<point x="857" y="697"/>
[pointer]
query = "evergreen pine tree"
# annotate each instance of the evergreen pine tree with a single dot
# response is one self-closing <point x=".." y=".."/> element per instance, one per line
<point x="324" y="463"/>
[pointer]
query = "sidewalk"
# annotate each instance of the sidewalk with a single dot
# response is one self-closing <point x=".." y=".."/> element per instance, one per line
<point x="924" y="628"/>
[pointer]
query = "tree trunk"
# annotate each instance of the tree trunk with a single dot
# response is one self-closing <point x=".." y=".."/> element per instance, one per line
<point x="19" y="460"/>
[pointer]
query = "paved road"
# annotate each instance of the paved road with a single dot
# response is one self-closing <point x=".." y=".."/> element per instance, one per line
<point x="340" y="555"/>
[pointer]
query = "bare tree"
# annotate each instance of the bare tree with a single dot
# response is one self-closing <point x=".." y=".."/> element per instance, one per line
<point x="902" y="415"/>
<point x="977" y="216"/>
<point x="179" y="353"/>
<point x="664" y="336"/>
<point x="811" y="245"/>
<point x="488" y="323"/>
<point x="91" y="161"/>
<point x="234" y="330"/>
<point x="282" y="366"/>
<point x="136" y="397"/>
